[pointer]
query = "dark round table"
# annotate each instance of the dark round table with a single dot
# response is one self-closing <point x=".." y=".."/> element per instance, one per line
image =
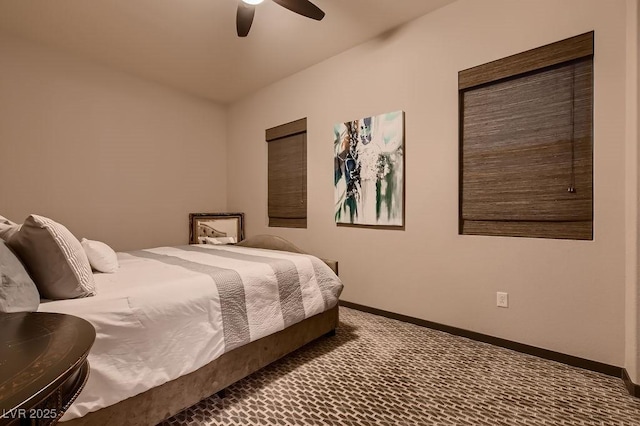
<point x="43" y="365"/>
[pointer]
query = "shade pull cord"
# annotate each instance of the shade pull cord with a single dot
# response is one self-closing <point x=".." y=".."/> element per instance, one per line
<point x="303" y="162"/>
<point x="572" y="182"/>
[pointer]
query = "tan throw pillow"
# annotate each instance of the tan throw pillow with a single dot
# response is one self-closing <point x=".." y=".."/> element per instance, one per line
<point x="18" y="293"/>
<point x="54" y="258"/>
<point x="5" y="221"/>
<point x="7" y="230"/>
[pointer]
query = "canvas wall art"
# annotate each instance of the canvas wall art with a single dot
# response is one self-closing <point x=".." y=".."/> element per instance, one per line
<point x="369" y="171"/>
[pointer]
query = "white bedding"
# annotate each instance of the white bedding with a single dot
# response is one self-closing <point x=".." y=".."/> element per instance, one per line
<point x="156" y="321"/>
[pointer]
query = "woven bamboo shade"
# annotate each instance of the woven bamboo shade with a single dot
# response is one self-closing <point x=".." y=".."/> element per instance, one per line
<point x="526" y="165"/>
<point x="287" y="176"/>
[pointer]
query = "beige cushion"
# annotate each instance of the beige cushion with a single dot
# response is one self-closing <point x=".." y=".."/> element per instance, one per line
<point x="271" y="242"/>
<point x="4" y="220"/>
<point x="54" y="258"/>
<point x="7" y="230"/>
<point x="18" y="292"/>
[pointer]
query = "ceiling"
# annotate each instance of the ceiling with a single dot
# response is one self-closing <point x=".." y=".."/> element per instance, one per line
<point x="192" y="44"/>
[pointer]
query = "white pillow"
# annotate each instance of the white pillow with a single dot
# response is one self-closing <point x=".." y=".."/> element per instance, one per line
<point x="101" y="257"/>
<point x="217" y="241"/>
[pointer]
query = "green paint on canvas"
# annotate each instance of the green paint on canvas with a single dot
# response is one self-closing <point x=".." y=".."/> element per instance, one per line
<point x="378" y="198"/>
<point x="353" y="209"/>
<point x="391" y="116"/>
<point x="388" y="195"/>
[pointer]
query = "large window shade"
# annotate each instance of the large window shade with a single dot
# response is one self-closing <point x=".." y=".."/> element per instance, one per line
<point x="287" y="163"/>
<point x="526" y="143"/>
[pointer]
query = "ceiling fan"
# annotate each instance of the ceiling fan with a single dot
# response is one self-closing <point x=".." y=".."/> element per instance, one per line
<point x="247" y="8"/>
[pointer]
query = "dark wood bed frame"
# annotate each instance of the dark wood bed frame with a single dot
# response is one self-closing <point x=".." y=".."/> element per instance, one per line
<point x="164" y="401"/>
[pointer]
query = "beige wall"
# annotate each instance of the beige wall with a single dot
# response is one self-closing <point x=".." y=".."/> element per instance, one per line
<point x="635" y="320"/>
<point x="567" y="296"/>
<point x="632" y="297"/>
<point x="122" y="160"/>
<point x="112" y="157"/>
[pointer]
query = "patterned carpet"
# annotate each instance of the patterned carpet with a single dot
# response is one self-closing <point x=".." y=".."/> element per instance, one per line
<point x="378" y="371"/>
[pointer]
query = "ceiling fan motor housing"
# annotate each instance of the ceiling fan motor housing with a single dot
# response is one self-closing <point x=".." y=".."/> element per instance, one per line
<point x="247" y="10"/>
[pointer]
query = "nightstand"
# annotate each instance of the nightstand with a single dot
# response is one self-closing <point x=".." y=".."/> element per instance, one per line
<point x="43" y="365"/>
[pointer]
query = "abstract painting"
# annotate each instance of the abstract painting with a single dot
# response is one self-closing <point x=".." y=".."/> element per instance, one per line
<point x="369" y="171"/>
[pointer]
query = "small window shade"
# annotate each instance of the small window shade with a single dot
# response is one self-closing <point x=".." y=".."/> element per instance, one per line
<point x="287" y="163"/>
<point x="526" y="153"/>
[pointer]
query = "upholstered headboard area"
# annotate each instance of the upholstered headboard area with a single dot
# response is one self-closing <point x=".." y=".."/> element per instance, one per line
<point x="273" y="242"/>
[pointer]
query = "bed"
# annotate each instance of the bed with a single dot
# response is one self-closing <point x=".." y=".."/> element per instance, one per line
<point x="167" y="336"/>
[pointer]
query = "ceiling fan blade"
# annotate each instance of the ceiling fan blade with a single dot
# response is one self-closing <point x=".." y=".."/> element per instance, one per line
<point x="244" y="18"/>
<point x="302" y="7"/>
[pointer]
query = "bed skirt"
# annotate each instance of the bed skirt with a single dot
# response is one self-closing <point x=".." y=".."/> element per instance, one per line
<point x="159" y="403"/>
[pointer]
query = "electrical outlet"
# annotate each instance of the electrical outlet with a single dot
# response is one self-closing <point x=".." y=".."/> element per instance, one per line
<point x="502" y="299"/>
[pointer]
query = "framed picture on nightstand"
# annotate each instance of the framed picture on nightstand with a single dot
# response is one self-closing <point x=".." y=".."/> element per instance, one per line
<point x="216" y="228"/>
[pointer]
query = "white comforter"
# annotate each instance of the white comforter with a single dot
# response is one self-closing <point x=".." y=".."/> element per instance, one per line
<point x="156" y="319"/>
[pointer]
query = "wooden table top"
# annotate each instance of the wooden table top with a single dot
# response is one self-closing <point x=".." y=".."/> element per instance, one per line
<point x="38" y="352"/>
